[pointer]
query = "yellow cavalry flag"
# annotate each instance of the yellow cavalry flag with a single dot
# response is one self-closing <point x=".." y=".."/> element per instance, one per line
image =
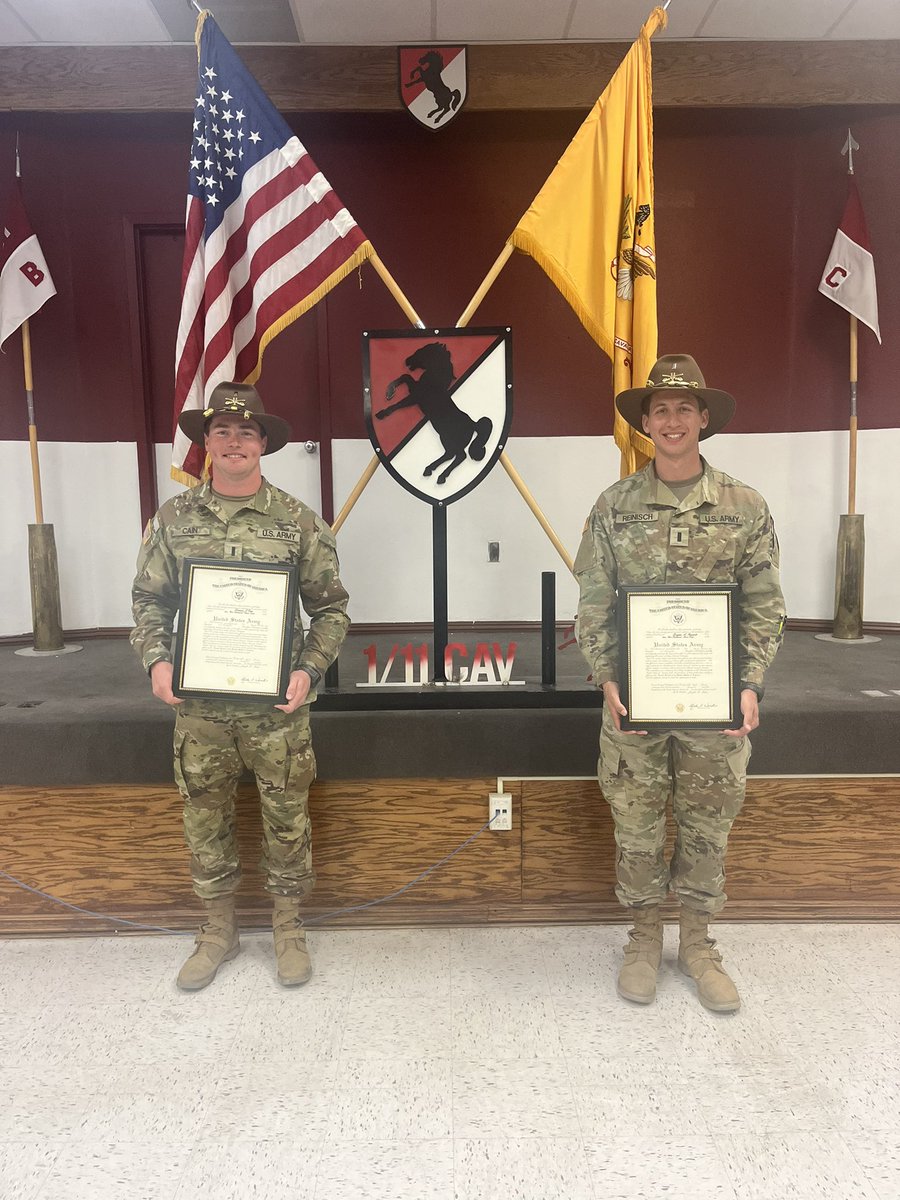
<point x="591" y="229"/>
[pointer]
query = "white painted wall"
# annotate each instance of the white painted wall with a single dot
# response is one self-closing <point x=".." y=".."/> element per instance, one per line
<point x="91" y="497"/>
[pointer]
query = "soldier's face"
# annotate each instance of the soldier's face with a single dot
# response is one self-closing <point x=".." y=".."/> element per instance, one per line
<point x="235" y="446"/>
<point x="674" y="422"/>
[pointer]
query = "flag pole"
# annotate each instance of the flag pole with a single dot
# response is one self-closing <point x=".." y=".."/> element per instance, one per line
<point x="851" y="545"/>
<point x="486" y="284"/>
<point x="519" y="483"/>
<point x="504" y="255"/>
<point x="656" y="19"/>
<point x="393" y="287"/>
<point x="535" y="508"/>
<point x="32" y="427"/>
<point x="372" y="466"/>
<point x="854" y="377"/>
<point x="29" y="396"/>
<point x="43" y="568"/>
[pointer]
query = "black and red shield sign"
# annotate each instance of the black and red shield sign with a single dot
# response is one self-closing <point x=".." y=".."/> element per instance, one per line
<point x="438" y="405"/>
<point x="433" y="82"/>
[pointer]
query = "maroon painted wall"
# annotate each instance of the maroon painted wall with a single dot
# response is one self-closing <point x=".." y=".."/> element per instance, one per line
<point x="748" y="202"/>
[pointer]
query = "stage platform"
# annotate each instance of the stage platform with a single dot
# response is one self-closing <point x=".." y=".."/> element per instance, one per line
<point x="90" y="718"/>
<point x="89" y="812"/>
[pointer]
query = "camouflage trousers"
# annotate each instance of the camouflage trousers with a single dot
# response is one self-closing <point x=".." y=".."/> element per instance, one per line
<point x="214" y="742"/>
<point x="705" y="773"/>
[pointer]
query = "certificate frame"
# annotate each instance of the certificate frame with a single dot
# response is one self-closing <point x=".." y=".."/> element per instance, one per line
<point x="247" y="604"/>
<point x="679" y="656"/>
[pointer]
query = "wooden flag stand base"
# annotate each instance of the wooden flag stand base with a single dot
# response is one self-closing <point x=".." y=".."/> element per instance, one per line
<point x="45" y="611"/>
<point x="848" y="590"/>
<point x="42" y="565"/>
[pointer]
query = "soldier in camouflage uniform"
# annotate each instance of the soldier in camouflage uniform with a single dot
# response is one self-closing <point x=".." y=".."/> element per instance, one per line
<point x="676" y="521"/>
<point x="238" y="515"/>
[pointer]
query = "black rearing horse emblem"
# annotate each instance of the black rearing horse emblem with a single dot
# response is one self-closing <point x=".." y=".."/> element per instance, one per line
<point x="431" y="393"/>
<point x="428" y="72"/>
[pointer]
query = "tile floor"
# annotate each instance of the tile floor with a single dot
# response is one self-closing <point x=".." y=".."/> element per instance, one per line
<point x="452" y="1064"/>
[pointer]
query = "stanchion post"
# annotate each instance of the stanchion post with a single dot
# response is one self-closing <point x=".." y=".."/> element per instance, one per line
<point x="439" y="568"/>
<point x="548" y="628"/>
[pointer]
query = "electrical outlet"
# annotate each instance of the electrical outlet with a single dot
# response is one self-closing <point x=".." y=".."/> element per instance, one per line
<point x="500" y="802"/>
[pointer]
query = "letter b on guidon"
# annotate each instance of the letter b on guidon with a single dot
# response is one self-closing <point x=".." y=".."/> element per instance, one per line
<point x="32" y="273"/>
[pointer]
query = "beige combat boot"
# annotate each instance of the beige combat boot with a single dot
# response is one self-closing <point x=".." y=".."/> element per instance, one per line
<point x="699" y="958"/>
<point x="216" y="942"/>
<point x="294" y="964"/>
<point x="637" y="976"/>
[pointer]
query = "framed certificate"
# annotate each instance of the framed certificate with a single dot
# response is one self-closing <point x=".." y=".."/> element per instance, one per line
<point x="678" y="656"/>
<point x="235" y="626"/>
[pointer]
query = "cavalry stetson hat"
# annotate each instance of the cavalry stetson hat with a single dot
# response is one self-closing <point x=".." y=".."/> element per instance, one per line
<point x="672" y="373"/>
<point x="244" y="400"/>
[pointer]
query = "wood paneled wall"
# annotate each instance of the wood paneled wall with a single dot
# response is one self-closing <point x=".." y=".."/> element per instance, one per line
<point x="558" y="75"/>
<point x="804" y="848"/>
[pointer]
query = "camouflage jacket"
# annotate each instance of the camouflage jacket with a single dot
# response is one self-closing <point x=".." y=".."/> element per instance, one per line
<point x="272" y="527"/>
<point x="726" y="536"/>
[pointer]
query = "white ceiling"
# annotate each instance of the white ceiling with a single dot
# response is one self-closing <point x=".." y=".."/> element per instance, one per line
<point x="393" y="22"/>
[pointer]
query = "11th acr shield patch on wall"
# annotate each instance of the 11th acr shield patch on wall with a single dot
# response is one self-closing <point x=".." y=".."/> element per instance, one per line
<point x="433" y="82"/>
<point x="438" y="405"/>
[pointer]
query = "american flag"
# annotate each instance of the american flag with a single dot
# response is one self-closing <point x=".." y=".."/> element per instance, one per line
<point x="265" y="236"/>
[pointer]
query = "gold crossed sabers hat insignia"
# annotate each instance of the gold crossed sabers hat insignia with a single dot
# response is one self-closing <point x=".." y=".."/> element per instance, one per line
<point x="673" y="379"/>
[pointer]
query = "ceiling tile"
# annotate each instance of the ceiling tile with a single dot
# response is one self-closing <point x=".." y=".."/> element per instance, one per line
<point x="92" y="22"/>
<point x="521" y="21"/>
<point x="180" y="20"/>
<point x="869" y="19"/>
<point x="621" y="20"/>
<point x="266" y="21"/>
<point x="772" y="19"/>
<point x="261" y="21"/>
<point x="375" y="22"/>
<point x="13" y="32"/>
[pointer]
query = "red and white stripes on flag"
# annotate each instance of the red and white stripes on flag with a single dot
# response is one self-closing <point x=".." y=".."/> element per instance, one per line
<point x="849" y="275"/>
<point x="25" y="282"/>
<point x="266" y="236"/>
